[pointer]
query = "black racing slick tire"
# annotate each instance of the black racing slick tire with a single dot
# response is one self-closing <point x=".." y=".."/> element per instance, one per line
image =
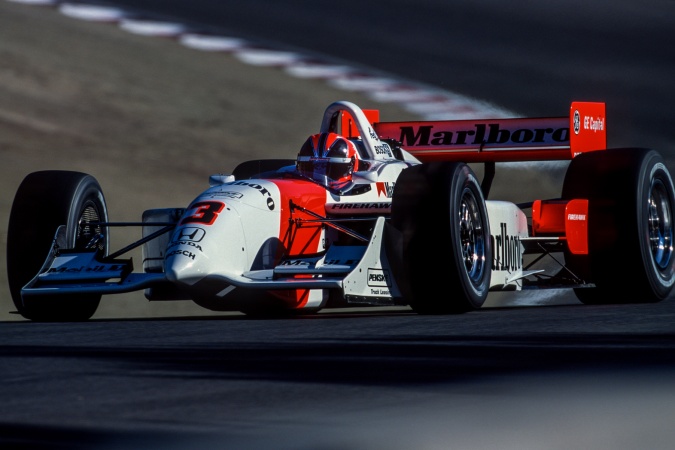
<point x="445" y="258"/>
<point x="631" y="225"/>
<point x="44" y="201"/>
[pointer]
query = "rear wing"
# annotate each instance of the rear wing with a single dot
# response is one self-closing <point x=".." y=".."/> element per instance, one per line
<point x="500" y="140"/>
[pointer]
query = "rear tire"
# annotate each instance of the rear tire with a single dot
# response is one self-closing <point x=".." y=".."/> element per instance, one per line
<point x="446" y="253"/>
<point x="631" y="225"/>
<point x="44" y="201"/>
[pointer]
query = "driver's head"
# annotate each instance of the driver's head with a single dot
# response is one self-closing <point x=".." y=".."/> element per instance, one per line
<point x="329" y="159"/>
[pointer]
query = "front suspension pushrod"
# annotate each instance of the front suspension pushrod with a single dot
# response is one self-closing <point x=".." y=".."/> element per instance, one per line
<point x="331" y="223"/>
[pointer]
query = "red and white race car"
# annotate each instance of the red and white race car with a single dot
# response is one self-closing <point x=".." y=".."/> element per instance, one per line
<point x="369" y="213"/>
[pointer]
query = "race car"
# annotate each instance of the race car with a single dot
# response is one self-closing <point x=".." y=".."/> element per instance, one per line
<point x="367" y="213"/>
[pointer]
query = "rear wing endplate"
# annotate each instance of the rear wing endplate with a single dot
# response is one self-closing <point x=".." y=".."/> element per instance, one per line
<point x="498" y="140"/>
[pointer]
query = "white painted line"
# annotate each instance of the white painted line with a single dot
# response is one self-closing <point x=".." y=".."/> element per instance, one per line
<point x="448" y="115"/>
<point x="91" y="12"/>
<point x="211" y="43"/>
<point x="318" y="70"/>
<point x="35" y="2"/>
<point x="441" y="105"/>
<point x="362" y="83"/>
<point x="267" y="57"/>
<point x="403" y="95"/>
<point x="152" y="28"/>
<point x="443" y="108"/>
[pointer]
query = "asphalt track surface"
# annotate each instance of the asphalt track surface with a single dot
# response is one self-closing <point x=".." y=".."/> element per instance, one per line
<point x="553" y="377"/>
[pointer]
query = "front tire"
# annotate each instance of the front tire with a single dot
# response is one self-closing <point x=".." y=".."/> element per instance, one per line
<point x="631" y="225"/>
<point x="446" y="253"/>
<point x="44" y="201"/>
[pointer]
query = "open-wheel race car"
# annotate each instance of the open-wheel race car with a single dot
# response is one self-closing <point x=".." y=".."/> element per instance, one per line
<point x="368" y="213"/>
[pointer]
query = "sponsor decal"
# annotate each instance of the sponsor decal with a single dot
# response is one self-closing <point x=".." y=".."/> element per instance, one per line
<point x="259" y="188"/>
<point x="576" y="217"/>
<point x="373" y="205"/>
<point x="576" y="121"/>
<point x="507" y="252"/>
<point x="481" y="134"/>
<point x="187" y="243"/>
<point x="181" y="253"/>
<point x="383" y="149"/>
<point x="380" y="292"/>
<point x="594" y="124"/>
<point x="255" y="186"/>
<point x="295" y="262"/>
<point x="227" y="194"/>
<point x="372" y="133"/>
<point x="379" y="278"/>
<point x="192" y="234"/>
<point x="339" y="262"/>
<point x="85" y="269"/>
<point x="385" y="188"/>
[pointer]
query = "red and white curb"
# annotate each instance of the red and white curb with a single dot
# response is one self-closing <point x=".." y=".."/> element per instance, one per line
<point x="428" y="102"/>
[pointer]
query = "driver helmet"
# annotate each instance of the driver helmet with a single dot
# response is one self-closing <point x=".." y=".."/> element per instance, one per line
<point x="329" y="159"/>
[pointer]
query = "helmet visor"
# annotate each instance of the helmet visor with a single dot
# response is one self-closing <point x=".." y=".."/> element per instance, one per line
<point x="325" y="169"/>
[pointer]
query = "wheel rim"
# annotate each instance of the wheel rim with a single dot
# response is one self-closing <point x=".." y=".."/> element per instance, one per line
<point x="660" y="224"/>
<point x="471" y="237"/>
<point x="86" y="233"/>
